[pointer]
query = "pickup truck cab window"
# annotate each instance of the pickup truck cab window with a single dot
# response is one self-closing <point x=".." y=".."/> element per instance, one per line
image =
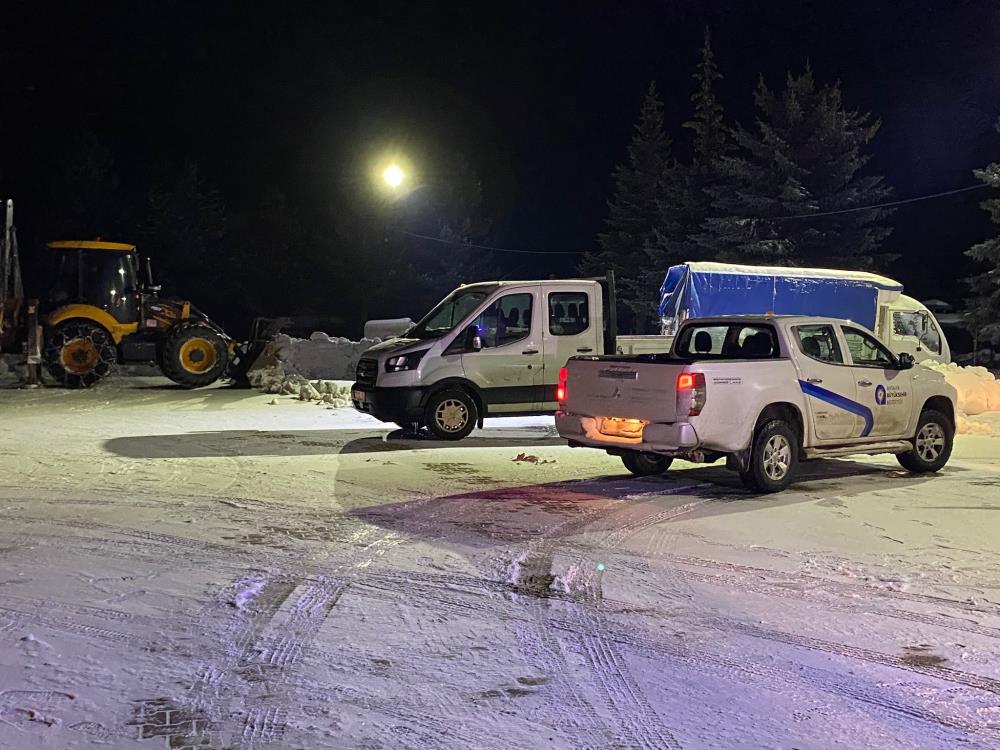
<point x="866" y="351"/>
<point x="506" y="320"/>
<point x="819" y="343"/>
<point x="568" y="313"/>
<point x="728" y="340"/>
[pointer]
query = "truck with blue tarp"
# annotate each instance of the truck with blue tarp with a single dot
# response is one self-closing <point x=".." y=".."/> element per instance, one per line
<point x="703" y="289"/>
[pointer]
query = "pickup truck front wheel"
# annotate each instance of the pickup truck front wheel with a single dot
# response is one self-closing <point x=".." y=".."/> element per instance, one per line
<point x="646" y="464"/>
<point x="931" y="445"/>
<point x="772" y="457"/>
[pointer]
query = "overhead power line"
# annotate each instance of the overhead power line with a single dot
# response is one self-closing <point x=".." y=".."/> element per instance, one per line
<point x="890" y="204"/>
<point x="816" y="215"/>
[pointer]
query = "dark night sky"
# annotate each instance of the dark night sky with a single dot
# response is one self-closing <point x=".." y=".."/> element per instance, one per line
<point x="540" y="97"/>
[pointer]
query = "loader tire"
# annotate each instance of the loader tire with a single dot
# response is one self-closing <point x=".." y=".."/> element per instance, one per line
<point x="78" y="353"/>
<point x="193" y="356"/>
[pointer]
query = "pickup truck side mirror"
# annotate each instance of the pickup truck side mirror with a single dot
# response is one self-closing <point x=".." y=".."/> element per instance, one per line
<point x="906" y="361"/>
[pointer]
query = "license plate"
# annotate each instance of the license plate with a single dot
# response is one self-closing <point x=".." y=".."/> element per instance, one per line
<point x="619" y="427"/>
<point x="358" y="395"/>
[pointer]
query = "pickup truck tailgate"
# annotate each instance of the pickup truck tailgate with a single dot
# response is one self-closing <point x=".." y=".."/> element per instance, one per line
<point x="628" y="388"/>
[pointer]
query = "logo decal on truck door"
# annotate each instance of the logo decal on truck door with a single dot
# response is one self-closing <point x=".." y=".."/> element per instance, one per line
<point x="835" y="399"/>
<point x="880" y="395"/>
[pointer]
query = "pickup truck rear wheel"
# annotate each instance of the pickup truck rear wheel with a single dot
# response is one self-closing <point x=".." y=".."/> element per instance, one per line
<point x="931" y="444"/>
<point x="772" y="458"/>
<point x="451" y="414"/>
<point x="646" y="464"/>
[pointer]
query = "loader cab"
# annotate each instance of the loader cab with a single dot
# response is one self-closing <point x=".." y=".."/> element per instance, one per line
<point x="102" y="274"/>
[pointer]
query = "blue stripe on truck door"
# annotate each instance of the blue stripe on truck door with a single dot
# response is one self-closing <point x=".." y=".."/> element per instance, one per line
<point x="841" y="402"/>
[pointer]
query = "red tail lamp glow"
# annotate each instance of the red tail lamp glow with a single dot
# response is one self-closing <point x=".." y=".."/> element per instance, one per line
<point x="561" y="388"/>
<point x="691" y="394"/>
<point x="685" y="381"/>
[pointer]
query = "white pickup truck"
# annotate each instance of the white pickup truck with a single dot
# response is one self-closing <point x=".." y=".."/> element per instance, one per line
<point x="764" y="392"/>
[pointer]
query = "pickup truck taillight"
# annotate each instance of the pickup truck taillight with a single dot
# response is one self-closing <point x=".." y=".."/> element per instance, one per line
<point x="561" y="388"/>
<point x="690" y="393"/>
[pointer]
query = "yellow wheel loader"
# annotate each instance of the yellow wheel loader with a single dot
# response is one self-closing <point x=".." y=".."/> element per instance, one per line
<point x="97" y="313"/>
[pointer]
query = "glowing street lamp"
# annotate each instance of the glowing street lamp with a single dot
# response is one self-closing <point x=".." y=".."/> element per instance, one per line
<point x="393" y="176"/>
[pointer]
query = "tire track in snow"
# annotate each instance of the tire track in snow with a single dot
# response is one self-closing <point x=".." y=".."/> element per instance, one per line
<point x="410" y="583"/>
<point x="541" y="648"/>
<point x="947" y="674"/>
<point x="20" y="618"/>
<point x="627" y="530"/>
<point x="643" y="726"/>
<point x="86" y="610"/>
<point x="852" y="589"/>
<point x="265" y="642"/>
<point x="437" y="734"/>
<point x="448" y="586"/>
<point x="766" y="675"/>
<point x="765" y="588"/>
<point x="608" y="668"/>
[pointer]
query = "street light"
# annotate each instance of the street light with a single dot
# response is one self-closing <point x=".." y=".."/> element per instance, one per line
<point x="393" y="176"/>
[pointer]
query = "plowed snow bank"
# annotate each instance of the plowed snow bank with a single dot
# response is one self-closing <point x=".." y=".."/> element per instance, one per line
<point x="321" y="357"/>
<point x="978" y="389"/>
<point x="978" y="393"/>
<point x="320" y="368"/>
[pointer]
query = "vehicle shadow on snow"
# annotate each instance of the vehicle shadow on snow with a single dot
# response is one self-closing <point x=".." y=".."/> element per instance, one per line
<point x="617" y="503"/>
<point x="228" y="443"/>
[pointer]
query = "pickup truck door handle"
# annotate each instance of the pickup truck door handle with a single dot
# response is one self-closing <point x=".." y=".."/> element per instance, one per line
<point x="530" y="351"/>
<point x="864" y="383"/>
<point x="814" y="380"/>
<point x="585" y="349"/>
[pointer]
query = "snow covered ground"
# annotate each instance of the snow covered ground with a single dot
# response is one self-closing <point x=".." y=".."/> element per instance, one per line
<point x="209" y="569"/>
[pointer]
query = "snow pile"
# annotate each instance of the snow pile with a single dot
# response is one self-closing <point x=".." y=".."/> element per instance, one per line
<point x="978" y="389"/>
<point x="321" y="357"/>
<point x="336" y="393"/>
<point x="978" y="393"/>
<point x="973" y="426"/>
<point x="320" y="368"/>
<point x="274" y="379"/>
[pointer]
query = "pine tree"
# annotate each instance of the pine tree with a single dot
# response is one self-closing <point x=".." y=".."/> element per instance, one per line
<point x="685" y="202"/>
<point x="710" y="142"/>
<point x="803" y="157"/>
<point x="984" y="305"/>
<point x="634" y="215"/>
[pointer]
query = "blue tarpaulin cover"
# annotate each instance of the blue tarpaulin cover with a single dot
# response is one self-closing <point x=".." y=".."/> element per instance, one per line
<point x="708" y="289"/>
